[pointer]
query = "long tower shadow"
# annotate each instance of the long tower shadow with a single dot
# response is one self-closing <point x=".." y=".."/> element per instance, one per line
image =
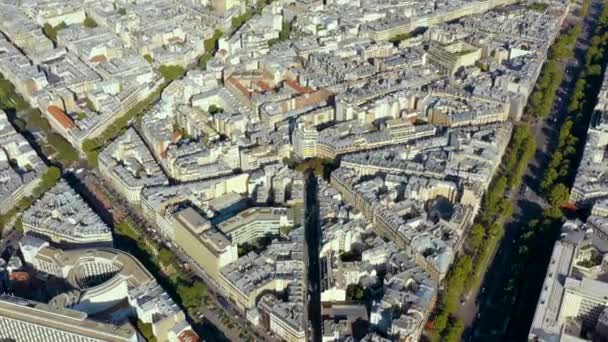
<point x="312" y="230"/>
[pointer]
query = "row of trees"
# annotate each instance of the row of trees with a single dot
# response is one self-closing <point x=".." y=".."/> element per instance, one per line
<point x="562" y="165"/>
<point x="545" y="90"/>
<point x="48" y="180"/>
<point x="93" y="146"/>
<point x="240" y="20"/>
<point x="171" y="72"/>
<point x="488" y="232"/>
<point x="551" y="77"/>
<point x="32" y="120"/>
<point x="522" y="147"/>
<point x="537" y="238"/>
<point x="444" y="322"/>
<point x="483" y="237"/>
<point x="188" y="291"/>
<point x="128" y="229"/>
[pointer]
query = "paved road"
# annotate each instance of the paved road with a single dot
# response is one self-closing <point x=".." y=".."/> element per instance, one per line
<point x="479" y="312"/>
<point x="212" y="316"/>
<point x="225" y="305"/>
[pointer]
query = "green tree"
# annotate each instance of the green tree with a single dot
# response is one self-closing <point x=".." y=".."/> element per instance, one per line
<point x="66" y="152"/>
<point x="211" y="43"/>
<point x="165" y="256"/>
<point x="191" y="294"/>
<point x="594" y="70"/>
<point x="146" y="331"/>
<point x="440" y="322"/>
<point x="355" y="292"/>
<point x="89" y="22"/>
<point x="90" y="145"/>
<point x="559" y="195"/>
<point x="399" y="38"/>
<point x="19" y="224"/>
<point x="213" y="109"/>
<point x="171" y="72"/>
<point x="495" y="230"/>
<point x="476" y="236"/>
<point x="284" y="34"/>
<point x="203" y="60"/>
<point x="552" y="213"/>
<point x="455" y="331"/>
<point x="548" y="179"/>
<point x="51" y="31"/>
<point x="507" y="208"/>
<point x="51" y="176"/>
<point x="240" y="20"/>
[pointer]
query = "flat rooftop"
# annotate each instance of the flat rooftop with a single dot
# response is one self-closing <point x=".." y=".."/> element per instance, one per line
<point x="66" y="320"/>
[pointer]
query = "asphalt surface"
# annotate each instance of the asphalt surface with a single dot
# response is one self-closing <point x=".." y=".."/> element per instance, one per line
<point x="218" y="331"/>
<point x="483" y="304"/>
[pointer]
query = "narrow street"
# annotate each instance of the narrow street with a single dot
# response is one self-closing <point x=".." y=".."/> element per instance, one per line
<point x="483" y="311"/>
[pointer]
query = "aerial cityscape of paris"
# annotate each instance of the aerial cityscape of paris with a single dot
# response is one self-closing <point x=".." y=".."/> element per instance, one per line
<point x="303" y="170"/>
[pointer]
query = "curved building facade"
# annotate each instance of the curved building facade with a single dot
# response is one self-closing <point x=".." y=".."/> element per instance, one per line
<point x="101" y="279"/>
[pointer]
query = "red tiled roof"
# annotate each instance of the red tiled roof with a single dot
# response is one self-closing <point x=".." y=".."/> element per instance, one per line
<point x="188" y="336"/>
<point x="297" y="87"/>
<point x="61" y="117"/>
<point x="98" y="59"/>
<point x="307" y="99"/>
<point x="263" y="85"/>
<point x="239" y="86"/>
<point x="19" y="277"/>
